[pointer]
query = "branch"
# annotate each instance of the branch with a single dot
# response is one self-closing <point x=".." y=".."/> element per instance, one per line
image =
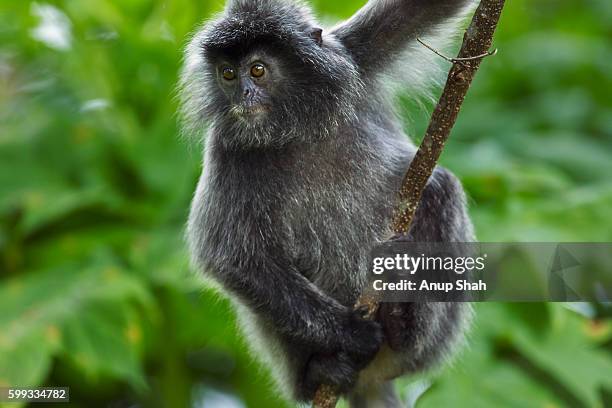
<point x="477" y="42"/>
<point x="455" y="60"/>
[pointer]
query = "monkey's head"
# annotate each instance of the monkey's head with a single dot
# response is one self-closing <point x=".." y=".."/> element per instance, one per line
<point x="263" y="74"/>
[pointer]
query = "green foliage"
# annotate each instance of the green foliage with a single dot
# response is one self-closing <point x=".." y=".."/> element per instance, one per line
<point x="95" y="287"/>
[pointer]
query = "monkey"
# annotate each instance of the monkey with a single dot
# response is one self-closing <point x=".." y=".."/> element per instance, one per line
<point x="304" y="155"/>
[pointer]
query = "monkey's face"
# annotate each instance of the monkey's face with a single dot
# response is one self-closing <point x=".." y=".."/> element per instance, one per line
<point x="266" y="96"/>
<point x="250" y="84"/>
<point x="269" y="88"/>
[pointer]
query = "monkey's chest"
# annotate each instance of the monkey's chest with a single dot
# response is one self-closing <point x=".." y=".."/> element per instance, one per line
<point x="323" y="226"/>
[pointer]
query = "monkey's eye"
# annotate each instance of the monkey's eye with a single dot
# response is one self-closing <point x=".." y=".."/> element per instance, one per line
<point x="258" y="70"/>
<point x="228" y="73"/>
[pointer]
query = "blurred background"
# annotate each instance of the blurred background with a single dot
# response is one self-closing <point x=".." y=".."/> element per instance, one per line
<point x="95" y="287"/>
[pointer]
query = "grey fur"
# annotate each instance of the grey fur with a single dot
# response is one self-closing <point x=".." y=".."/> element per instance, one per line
<point x="289" y="205"/>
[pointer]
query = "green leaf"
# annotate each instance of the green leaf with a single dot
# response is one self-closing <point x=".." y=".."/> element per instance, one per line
<point x="54" y="309"/>
<point x="103" y="343"/>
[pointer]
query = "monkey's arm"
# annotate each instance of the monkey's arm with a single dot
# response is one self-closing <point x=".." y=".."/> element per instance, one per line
<point x="382" y="29"/>
<point x="297" y="309"/>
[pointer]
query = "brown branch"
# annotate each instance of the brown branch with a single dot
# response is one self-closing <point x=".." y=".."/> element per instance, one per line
<point x="477" y="41"/>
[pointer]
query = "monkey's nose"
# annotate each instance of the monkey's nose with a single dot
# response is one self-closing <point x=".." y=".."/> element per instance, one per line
<point x="246" y="92"/>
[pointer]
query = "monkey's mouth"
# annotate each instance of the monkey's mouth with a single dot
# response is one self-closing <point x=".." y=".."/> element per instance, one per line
<point x="251" y="112"/>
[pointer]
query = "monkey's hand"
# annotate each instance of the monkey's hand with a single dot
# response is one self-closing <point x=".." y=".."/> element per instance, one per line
<point x="358" y="344"/>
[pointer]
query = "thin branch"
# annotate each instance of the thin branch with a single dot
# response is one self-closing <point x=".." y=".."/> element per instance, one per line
<point x="476" y="41"/>
<point x="456" y="60"/>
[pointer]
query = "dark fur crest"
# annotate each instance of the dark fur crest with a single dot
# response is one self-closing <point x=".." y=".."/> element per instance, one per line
<point x="274" y="23"/>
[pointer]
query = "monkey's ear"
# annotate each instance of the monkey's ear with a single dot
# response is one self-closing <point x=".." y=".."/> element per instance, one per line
<point x="317" y="35"/>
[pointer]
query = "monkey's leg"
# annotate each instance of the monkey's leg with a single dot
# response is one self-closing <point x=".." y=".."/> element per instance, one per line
<point x="423" y="334"/>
